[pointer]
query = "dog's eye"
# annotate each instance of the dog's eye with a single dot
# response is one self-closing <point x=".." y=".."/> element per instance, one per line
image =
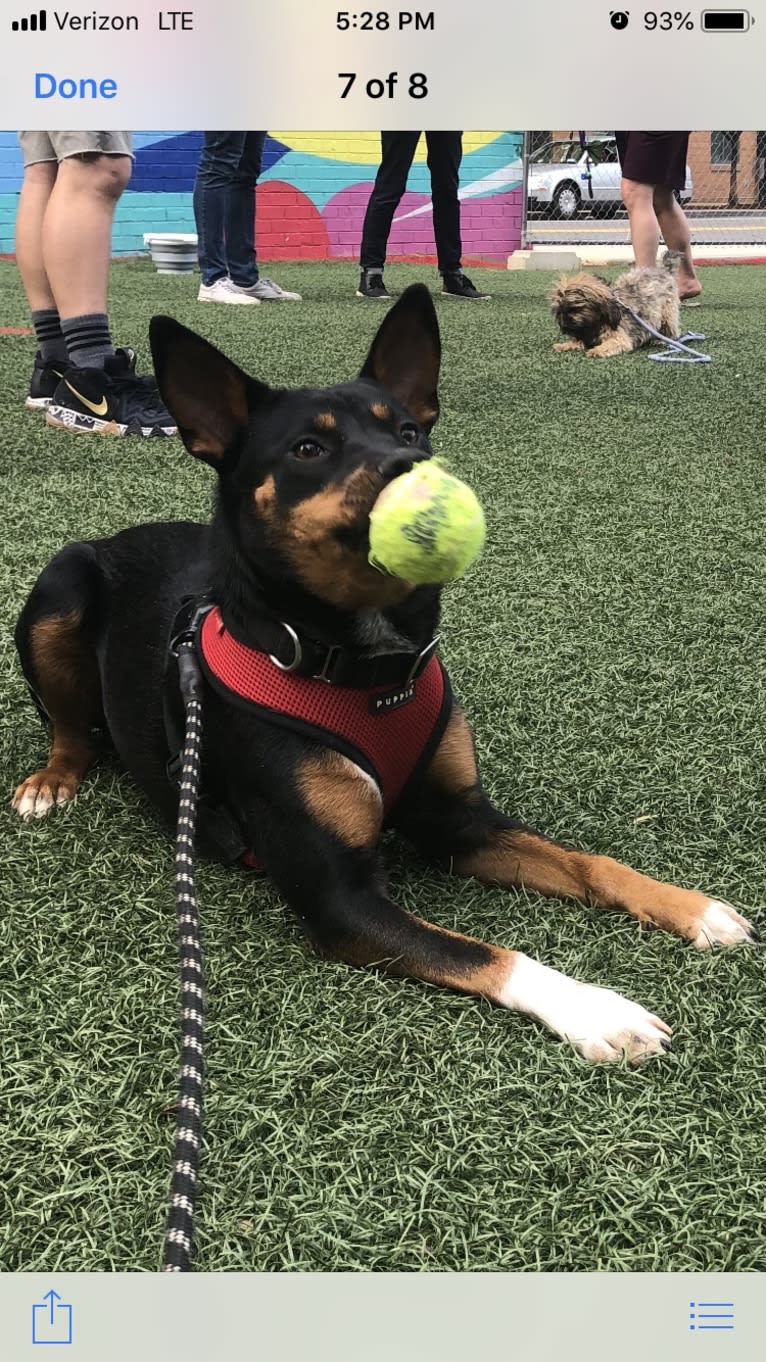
<point x="307" y="449"/>
<point x="409" y="433"/>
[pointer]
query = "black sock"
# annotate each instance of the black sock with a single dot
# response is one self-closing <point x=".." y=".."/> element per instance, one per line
<point x="88" y="340"/>
<point x="50" y="337"/>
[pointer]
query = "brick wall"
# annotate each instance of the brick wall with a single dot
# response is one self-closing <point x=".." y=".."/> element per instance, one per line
<point x="716" y="181"/>
<point x="311" y="196"/>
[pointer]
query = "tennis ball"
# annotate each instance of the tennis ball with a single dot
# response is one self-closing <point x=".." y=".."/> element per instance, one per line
<point x="426" y="526"/>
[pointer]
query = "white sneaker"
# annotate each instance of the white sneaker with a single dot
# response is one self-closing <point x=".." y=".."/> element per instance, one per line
<point x="266" y="291"/>
<point x="223" y="291"/>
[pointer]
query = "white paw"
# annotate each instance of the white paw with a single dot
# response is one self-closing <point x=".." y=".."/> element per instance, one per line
<point x="35" y="797"/>
<point x="602" y="1025"/>
<point x="722" y="925"/>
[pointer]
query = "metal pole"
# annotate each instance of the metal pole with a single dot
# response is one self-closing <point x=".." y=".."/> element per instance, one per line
<point x="524" y="190"/>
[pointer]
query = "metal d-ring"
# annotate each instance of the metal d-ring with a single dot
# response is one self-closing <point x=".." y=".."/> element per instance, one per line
<point x="423" y="657"/>
<point x="297" y="652"/>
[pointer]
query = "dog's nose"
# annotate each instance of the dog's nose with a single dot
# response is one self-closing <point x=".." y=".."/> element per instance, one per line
<point x="401" y="461"/>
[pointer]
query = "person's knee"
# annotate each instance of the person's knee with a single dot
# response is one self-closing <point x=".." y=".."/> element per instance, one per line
<point x="635" y="194"/>
<point x="42" y="175"/>
<point x="243" y="179"/>
<point x="114" y="172"/>
<point x="386" y="197"/>
<point x="219" y="165"/>
<point x="664" y="200"/>
<point x="103" y="177"/>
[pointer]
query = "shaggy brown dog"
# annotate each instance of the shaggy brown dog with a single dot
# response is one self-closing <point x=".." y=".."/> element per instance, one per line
<point x="595" y="314"/>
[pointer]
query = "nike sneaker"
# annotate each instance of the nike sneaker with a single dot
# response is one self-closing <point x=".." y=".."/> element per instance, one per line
<point x="110" y="401"/>
<point x="47" y="374"/>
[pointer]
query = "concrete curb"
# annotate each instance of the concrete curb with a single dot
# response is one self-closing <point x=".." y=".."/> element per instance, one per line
<point x="542" y="257"/>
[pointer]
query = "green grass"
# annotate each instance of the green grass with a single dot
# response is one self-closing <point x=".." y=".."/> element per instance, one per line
<point x="610" y="651"/>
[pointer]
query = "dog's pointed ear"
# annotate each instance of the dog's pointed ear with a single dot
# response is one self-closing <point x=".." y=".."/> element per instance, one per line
<point x="207" y="395"/>
<point x="405" y="355"/>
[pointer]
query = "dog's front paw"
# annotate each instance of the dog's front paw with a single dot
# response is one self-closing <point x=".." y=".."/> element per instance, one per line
<point x="600" y="1024"/>
<point x="605" y="1027"/>
<point x="38" y="794"/>
<point x="721" y="925"/>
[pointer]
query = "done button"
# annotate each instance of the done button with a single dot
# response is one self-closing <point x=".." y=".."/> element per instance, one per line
<point x="66" y="87"/>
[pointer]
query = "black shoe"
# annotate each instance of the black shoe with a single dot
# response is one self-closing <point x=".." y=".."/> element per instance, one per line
<point x="47" y="374"/>
<point x="110" y="401"/>
<point x="458" y="285"/>
<point x="371" y="285"/>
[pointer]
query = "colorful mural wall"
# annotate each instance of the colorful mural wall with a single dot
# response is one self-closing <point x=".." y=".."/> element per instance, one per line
<point x="311" y="196"/>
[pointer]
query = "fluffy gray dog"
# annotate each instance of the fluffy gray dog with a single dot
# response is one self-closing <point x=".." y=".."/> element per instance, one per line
<point x="593" y="313"/>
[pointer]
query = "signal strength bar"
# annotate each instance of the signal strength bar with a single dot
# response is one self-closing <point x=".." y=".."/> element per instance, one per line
<point x="36" y="23"/>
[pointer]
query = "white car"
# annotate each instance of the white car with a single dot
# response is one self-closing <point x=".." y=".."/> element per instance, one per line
<point x="564" y="177"/>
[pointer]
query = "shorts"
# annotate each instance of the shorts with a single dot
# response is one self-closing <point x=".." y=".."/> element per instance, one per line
<point x="58" y="146"/>
<point x="657" y="158"/>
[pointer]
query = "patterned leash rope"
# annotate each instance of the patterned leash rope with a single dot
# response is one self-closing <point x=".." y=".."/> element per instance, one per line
<point x="676" y="351"/>
<point x="188" y="1139"/>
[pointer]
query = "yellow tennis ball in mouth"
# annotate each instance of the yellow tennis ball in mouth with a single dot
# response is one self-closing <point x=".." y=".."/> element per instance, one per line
<point x="426" y="526"/>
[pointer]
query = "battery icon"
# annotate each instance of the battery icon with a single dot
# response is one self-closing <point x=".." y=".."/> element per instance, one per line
<point x="725" y="20"/>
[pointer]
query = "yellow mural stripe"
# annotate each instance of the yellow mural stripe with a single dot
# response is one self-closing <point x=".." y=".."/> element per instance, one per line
<point x="363" y="148"/>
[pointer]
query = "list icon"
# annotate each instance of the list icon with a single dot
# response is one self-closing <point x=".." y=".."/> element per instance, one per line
<point x="705" y="1315"/>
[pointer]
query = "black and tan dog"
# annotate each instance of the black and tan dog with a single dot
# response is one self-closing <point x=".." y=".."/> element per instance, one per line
<point x="285" y="561"/>
<point x="600" y="318"/>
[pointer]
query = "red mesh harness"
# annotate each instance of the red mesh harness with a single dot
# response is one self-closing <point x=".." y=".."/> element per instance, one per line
<point x="391" y="733"/>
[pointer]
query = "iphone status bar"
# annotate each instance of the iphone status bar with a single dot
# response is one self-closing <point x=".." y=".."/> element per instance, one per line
<point x="299" y="63"/>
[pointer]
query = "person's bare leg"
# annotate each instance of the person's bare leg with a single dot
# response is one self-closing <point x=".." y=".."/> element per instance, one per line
<point x="77" y="231"/>
<point x="644" y="227"/>
<point x="675" y="231"/>
<point x="36" y="191"/>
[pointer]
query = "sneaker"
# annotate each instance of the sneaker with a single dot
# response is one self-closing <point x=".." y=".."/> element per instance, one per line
<point x="110" y="401"/>
<point x="371" y="285"/>
<point x="223" y="291"/>
<point x="47" y="375"/>
<point x="458" y="285"/>
<point x="264" y="291"/>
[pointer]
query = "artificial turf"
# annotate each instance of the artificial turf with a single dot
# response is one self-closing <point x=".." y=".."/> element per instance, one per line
<point x="610" y="651"/>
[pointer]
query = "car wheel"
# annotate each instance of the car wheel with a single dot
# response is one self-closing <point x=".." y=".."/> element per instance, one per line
<point x="566" y="201"/>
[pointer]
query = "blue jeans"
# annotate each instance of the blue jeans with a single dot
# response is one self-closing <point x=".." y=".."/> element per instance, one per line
<point x="224" y="206"/>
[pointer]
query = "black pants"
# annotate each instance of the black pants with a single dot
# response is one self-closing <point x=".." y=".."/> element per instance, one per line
<point x="445" y="150"/>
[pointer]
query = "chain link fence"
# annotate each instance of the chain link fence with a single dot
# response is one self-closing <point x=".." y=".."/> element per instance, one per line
<point x="572" y="184"/>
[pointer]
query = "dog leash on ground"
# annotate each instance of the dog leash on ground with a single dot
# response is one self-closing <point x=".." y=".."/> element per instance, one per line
<point x="676" y="351"/>
<point x="188" y="1137"/>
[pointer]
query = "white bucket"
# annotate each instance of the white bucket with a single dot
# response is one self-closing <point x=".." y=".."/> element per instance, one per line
<point x="172" y="252"/>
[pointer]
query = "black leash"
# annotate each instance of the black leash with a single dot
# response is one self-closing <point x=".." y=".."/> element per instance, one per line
<point x="584" y="147"/>
<point x="188" y="1138"/>
<point x="186" y="768"/>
